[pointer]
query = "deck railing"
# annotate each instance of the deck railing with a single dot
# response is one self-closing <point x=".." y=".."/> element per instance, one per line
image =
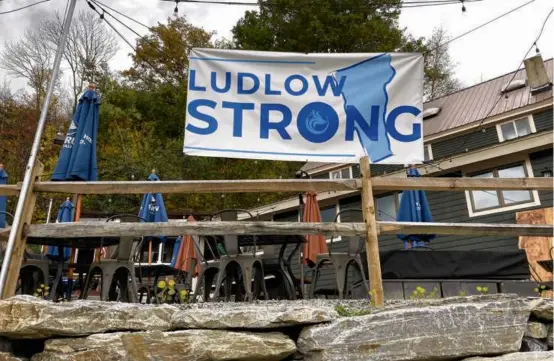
<point x="370" y="228"/>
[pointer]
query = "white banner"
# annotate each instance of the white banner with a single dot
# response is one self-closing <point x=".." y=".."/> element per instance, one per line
<point x="331" y="108"/>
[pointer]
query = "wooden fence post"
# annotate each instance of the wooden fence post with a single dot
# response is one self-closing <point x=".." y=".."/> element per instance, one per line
<point x="371" y="243"/>
<point x="16" y="258"/>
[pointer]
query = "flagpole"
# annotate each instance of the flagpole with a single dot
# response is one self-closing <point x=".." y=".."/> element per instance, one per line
<point x="25" y="188"/>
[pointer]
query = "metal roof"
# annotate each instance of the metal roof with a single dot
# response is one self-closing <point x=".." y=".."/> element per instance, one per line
<point x="474" y="104"/>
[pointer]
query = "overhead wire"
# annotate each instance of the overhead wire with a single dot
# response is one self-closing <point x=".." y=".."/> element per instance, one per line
<point x="479" y="129"/>
<point x="479" y="27"/>
<point x="23" y="7"/>
<point x="122" y="14"/>
<point x="403" y="4"/>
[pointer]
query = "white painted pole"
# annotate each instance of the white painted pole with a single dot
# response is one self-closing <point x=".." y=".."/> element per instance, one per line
<point x="34" y="150"/>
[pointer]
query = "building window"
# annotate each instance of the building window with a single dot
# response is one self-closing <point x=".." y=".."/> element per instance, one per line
<point x="488" y="202"/>
<point x="427" y="153"/>
<point x="343" y="173"/>
<point x="387" y="206"/>
<point x="329" y="213"/>
<point x="516" y="128"/>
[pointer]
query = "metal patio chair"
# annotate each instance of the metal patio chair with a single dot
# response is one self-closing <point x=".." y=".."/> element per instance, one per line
<point x="341" y="261"/>
<point x="249" y="266"/>
<point x="117" y="271"/>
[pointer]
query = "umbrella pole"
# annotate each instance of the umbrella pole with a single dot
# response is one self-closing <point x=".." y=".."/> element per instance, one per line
<point x="73" y="250"/>
<point x="149" y="257"/>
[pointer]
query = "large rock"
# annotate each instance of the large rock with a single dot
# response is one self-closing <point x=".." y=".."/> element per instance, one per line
<point x="8" y="356"/>
<point x="188" y="345"/>
<point x="264" y="315"/>
<point x="529" y="344"/>
<point x="483" y="325"/>
<point x="30" y="317"/>
<point x="536" y="330"/>
<point x="542" y="308"/>
<point x="549" y="337"/>
<point x="517" y="356"/>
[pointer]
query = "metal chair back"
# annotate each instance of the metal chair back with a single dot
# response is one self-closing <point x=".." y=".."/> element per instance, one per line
<point x="355" y="243"/>
<point x="128" y="247"/>
<point x="231" y="241"/>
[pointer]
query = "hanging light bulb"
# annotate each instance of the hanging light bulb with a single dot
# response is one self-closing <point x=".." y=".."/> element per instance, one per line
<point x="176" y="10"/>
<point x="537" y="48"/>
<point x="463" y="6"/>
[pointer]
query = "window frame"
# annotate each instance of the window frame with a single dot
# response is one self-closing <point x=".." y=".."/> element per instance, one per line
<point x="350" y="173"/>
<point x="529" y="118"/>
<point x="503" y="207"/>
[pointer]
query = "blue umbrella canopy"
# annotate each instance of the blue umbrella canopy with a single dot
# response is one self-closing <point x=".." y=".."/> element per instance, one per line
<point x="65" y="214"/>
<point x="414" y="208"/>
<point x="152" y="208"/>
<point x="3" y="180"/>
<point x="77" y="159"/>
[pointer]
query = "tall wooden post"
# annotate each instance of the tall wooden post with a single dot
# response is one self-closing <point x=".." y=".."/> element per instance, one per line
<point x="16" y="257"/>
<point x="371" y="243"/>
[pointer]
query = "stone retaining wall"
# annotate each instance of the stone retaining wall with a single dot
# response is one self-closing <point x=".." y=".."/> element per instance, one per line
<point x="478" y="328"/>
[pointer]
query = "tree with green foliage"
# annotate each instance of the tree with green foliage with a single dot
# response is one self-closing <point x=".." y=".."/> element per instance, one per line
<point x="344" y="26"/>
<point x="324" y="26"/>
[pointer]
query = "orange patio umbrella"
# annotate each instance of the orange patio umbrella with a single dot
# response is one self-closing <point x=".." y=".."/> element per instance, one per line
<point x="183" y="254"/>
<point x="316" y="243"/>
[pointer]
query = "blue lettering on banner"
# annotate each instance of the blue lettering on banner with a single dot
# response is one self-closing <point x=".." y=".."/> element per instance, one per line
<point x="240" y="83"/>
<point x="211" y="121"/>
<point x="361" y="86"/>
<point x="237" y="115"/>
<point x="266" y="125"/>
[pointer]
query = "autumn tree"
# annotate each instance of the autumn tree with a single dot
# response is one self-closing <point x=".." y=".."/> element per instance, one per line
<point x="89" y="47"/>
<point x="440" y="79"/>
<point x="29" y="58"/>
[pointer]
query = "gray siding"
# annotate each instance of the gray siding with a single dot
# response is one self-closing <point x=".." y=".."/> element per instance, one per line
<point x="543" y="121"/>
<point x="474" y="140"/>
<point x="448" y="207"/>
<point x="483" y="138"/>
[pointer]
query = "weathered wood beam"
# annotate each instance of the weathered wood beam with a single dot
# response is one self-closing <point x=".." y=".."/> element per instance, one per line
<point x="466" y="229"/>
<point x="289" y="185"/>
<point x="458" y="184"/>
<point x="9" y="190"/>
<point x="105" y="229"/>
<point x="204" y="186"/>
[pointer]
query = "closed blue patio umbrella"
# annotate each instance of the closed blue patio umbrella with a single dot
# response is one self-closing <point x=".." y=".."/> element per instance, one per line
<point x="414" y="208"/>
<point x="152" y="209"/>
<point x="77" y="160"/>
<point x="3" y="180"/>
<point x="65" y="214"/>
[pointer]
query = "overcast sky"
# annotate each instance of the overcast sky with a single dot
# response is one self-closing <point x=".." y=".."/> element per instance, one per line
<point x="489" y="52"/>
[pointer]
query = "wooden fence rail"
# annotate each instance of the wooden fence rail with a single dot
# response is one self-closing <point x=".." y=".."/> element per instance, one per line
<point x="369" y="229"/>
<point x="105" y="229"/>
<point x="285" y="185"/>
